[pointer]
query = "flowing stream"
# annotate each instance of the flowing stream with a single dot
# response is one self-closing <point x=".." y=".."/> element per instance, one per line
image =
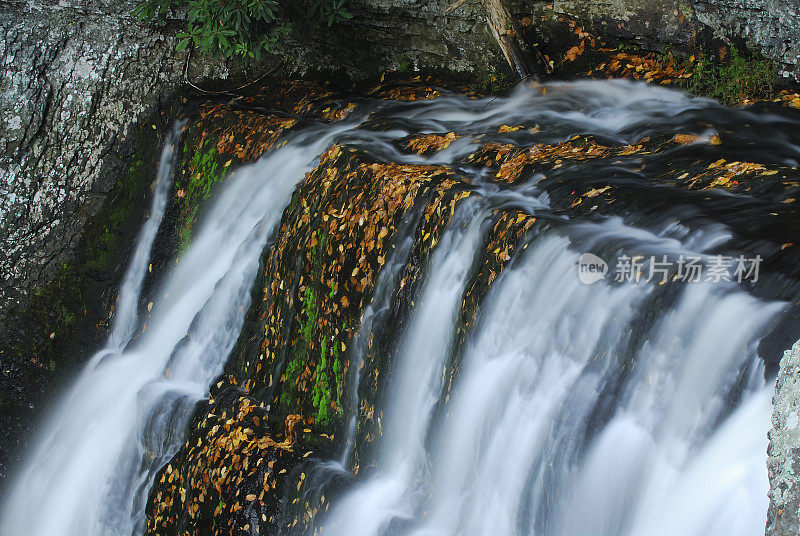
<point x="613" y="408"/>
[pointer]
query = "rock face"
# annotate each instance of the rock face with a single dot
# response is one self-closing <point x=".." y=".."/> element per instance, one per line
<point x="385" y="35"/>
<point x="76" y="82"/>
<point x="770" y="26"/>
<point x="783" y="518"/>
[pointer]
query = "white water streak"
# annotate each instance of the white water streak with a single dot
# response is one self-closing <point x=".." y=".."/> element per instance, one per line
<point x="423" y="353"/>
<point x="126" y="309"/>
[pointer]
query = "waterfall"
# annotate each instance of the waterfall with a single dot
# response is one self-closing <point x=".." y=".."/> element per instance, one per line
<point x="571" y="415"/>
<point x="89" y="472"/>
<point x="125" y="312"/>
<point x="423" y="353"/>
<point x="617" y="408"/>
<point x="512" y="457"/>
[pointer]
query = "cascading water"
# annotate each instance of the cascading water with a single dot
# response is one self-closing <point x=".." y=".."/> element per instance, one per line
<point x="510" y="457"/>
<point x="125" y="317"/>
<point x="613" y="408"/>
<point x="419" y="382"/>
<point x="125" y="412"/>
<point x="47" y="471"/>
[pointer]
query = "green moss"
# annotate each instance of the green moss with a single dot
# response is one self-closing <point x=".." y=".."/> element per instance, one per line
<point x="206" y="173"/>
<point x="321" y="395"/>
<point x="733" y="79"/>
<point x="339" y="375"/>
<point x="310" y="315"/>
<point x="328" y="375"/>
<point x="185" y="232"/>
<point x="76" y="298"/>
<point x="323" y="390"/>
<point x="101" y="243"/>
<point x="293" y="369"/>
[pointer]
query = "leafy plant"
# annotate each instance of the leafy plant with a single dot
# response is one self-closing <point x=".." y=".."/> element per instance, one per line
<point x="243" y="28"/>
<point x="493" y="81"/>
<point x="322" y="11"/>
<point x="735" y="78"/>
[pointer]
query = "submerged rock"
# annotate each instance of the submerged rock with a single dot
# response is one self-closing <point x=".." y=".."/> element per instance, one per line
<point x="335" y="236"/>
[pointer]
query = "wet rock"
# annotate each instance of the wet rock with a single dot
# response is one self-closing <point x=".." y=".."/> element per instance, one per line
<point x="771" y="26"/>
<point x="231" y="475"/>
<point x="783" y="517"/>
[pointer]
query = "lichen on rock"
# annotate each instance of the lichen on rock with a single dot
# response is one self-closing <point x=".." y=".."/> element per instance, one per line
<point x="783" y="517"/>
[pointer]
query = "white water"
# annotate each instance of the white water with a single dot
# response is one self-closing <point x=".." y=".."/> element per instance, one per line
<point x="423" y="353"/>
<point x="126" y="309"/>
<point x="84" y="476"/>
<point x="510" y="456"/>
<point x="380" y="304"/>
<point x="571" y="416"/>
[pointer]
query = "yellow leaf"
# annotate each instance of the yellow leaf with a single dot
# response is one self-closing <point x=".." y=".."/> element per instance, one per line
<point x="594" y="192"/>
<point x="717" y="163"/>
<point x="684" y="139"/>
